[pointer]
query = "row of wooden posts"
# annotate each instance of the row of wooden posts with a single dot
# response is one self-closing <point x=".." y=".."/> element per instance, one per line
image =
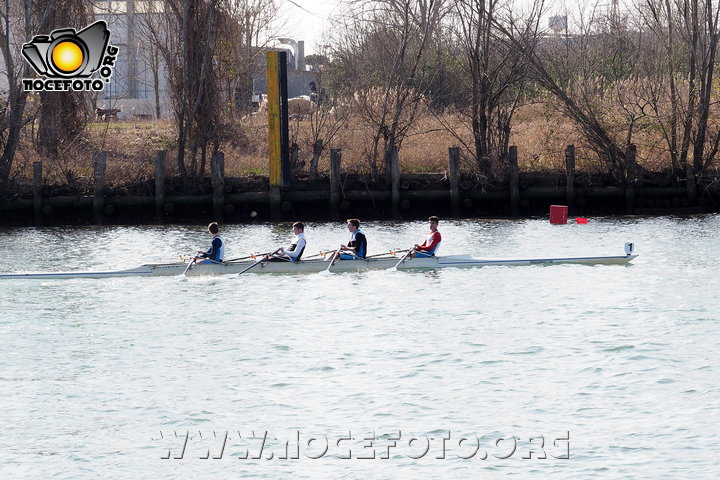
<point x="280" y="199"/>
<point x="276" y="195"/>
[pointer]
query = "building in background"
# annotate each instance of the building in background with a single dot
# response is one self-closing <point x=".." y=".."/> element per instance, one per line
<point x="299" y="79"/>
<point x="139" y="85"/>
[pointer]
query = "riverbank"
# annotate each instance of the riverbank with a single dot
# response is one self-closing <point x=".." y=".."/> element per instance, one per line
<point x="132" y="187"/>
<point x="414" y="196"/>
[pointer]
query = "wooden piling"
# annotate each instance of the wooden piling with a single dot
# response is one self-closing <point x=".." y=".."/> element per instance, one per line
<point x="454" y="172"/>
<point x="514" y="182"/>
<point x="630" y="178"/>
<point x="99" y="161"/>
<point x="37" y="193"/>
<point x="570" y="195"/>
<point x="278" y="137"/>
<point x="274" y="120"/>
<point x="284" y="120"/>
<point x="160" y="186"/>
<point x="217" y="168"/>
<point x="395" y="180"/>
<point x="278" y="146"/>
<point x="335" y="161"/>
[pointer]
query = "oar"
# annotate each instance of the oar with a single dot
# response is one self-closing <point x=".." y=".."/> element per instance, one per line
<point x="192" y="262"/>
<point x="391" y="252"/>
<point x="253" y="255"/>
<point x="251" y="266"/>
<point x="409" y="252"/>
<point x="332" y="260"/>
<point x="321" y="254"/>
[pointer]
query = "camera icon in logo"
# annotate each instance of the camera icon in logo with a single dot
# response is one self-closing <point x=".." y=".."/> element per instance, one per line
<point x="67" y="53"/>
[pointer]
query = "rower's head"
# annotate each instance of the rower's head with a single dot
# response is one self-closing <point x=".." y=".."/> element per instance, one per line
<point x="213" y="228"/>
<point x="353" y="224"/>
<point x="298" y="228"/>
<point x="433" y="221"/>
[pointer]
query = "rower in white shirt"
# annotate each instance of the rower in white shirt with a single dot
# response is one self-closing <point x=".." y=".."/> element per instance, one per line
<point x="294" y="251"/>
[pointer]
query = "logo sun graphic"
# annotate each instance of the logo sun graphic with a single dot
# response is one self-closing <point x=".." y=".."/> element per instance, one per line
<point x="67" y="56"/>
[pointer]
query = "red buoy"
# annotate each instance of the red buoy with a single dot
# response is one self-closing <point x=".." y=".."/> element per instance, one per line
<point x="558" y="214"/>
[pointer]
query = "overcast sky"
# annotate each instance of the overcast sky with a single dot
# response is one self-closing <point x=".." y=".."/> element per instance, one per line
<point x="307" y="20"/>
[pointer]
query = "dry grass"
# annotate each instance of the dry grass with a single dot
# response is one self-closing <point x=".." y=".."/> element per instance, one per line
<point x="540" y="132"/>
<point x="131" y="150"/>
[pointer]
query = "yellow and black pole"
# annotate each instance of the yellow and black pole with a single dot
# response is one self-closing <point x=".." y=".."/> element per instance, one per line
<point x="278" y="134"/>
<point x="284" y="120"/>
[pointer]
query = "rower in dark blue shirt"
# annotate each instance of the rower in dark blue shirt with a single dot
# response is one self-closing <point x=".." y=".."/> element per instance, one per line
<point x="217" y="248"/>
<point x="357" y="246"/>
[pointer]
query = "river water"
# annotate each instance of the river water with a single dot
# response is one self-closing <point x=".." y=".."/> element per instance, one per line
<point x="607" y="371"/>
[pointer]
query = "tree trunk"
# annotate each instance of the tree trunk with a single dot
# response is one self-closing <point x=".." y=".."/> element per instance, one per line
<point x="317" y="152"/>
<point x="17" y="97"/>
<point x="156" y="83"/>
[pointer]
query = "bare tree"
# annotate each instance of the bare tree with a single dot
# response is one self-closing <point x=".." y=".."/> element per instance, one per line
<point x="582" y="70"/>
<point x="246" y="24"/>
<point x="63" y="115"/>
<point x="494" y="71"/>
<point x="380" y="59"/>
<point x="18" y="21"/>
<point x="151" y="54"/>
<point x="209" y="48"/>
<point x="186" y="33"/>
<point x="155" y="65"/>
<point x="686" y="35"/>
<point x="326" y="120"/>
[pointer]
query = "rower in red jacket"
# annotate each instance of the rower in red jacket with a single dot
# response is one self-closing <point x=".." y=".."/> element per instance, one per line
<point x="432" y="242"/>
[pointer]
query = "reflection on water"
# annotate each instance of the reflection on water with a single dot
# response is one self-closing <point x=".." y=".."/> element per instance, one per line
<point x="100" y="375"/>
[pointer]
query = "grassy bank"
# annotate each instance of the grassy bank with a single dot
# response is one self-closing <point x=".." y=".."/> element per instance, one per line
<point x="540" y="133"/>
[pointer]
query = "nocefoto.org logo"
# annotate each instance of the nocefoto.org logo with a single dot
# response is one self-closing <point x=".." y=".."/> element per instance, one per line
<point x="67" y="59"/>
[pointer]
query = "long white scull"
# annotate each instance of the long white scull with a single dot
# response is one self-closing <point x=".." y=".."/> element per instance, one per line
<point x="319" y="265"/>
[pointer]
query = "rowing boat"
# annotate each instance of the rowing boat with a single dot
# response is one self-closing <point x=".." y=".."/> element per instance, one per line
<point x="319" y="265"/>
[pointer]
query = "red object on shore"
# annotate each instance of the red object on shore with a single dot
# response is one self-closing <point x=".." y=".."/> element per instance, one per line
<point x="581" y="220"/>
<point x="558" y="214"/>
